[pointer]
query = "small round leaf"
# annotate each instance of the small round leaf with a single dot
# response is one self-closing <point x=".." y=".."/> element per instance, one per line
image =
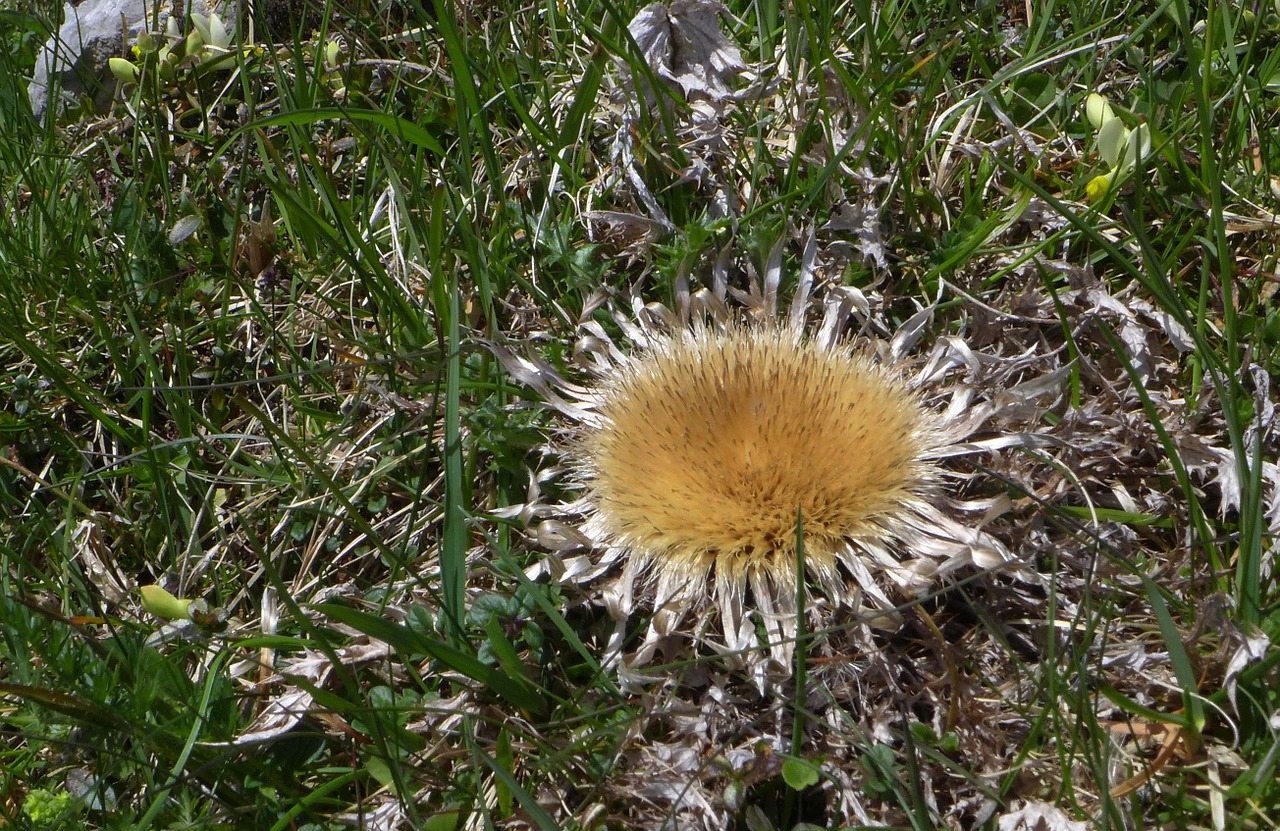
<point x="799" y="773"/>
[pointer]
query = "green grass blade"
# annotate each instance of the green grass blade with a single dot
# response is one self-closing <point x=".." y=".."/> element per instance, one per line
<point x="1193" y="704"/>
<point x="162" y="798"/>
<point x="527" y="800"/>
<point x="1133" y="708"/>
<point x="544" y="604"/>
<point x="406" y="640"/>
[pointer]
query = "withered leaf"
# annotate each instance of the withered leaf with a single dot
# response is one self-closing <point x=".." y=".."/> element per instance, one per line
<point x="683" y="45"/>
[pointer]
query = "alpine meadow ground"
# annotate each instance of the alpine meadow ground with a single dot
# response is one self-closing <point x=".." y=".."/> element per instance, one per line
<point x="594" y="416"/>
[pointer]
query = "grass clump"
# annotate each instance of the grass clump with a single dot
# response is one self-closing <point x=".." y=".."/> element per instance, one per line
<point x="270" y="336"/>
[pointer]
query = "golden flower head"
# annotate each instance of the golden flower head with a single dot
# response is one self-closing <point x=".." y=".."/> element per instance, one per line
<point x="699" y="451"/>
<point x="706" y="448"/>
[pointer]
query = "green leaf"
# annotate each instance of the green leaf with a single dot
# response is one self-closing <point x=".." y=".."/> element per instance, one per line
<point x="800" y="773"/>
<point x="922" y="732"/>
<point x="78" y="708"/>
<point x="505" y="757"/>
<point x="378" y="768"/>
<point x="488" y="606"/>
<point x="443" y="821"/>
<point x="505" y="651"/>
<point x="1116" y="515"/>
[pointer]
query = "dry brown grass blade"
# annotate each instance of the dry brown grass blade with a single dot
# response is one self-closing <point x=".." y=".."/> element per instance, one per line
<point x="1176" y="741"/>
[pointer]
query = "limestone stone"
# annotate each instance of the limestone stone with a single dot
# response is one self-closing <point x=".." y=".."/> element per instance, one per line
<point x="73" y="63"/>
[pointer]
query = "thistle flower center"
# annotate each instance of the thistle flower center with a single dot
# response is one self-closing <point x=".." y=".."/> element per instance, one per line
<point x="708" y="444"/>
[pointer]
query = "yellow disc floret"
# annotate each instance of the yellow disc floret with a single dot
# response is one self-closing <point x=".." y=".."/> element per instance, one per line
<point x="706" y="445"/>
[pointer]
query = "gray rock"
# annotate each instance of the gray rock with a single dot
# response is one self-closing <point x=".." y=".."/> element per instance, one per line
<point x="74" y="61"/>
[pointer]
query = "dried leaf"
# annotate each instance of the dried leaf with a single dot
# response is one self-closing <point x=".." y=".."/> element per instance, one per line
<point x="1038" y="816"/>
<point x="280" y="716"/>
<point x="683" y="45"/>
<point x="183" y="229"/>
<point x="1132" y="333"/>
<point x="632" y="233"/>
<point x="863" y="222"/>
<point x="1253" y="647"/>
<point x="91" y="549"/>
